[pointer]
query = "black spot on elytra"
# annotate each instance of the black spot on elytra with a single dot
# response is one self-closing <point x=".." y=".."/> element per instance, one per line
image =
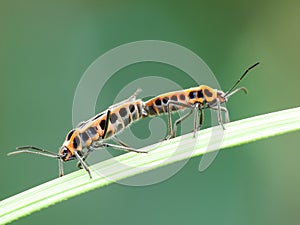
<point x="113" y="118"/>
<point x="70" y="135"/>
<point x="76" y="142"/>
<point x="192" y="94"/>
<point x="131" y="108"/>
<point x="123" y="112"/>
<point x="182" y="97"/>
<point x="200" y="94"/>
<point x="158" y="102"/>
<point x="102" y="124"/>
<point x="208" y="93"/>
<point x="84" y="136"/>
<point x="165" y="100"/>
<point x="174" y="98"/>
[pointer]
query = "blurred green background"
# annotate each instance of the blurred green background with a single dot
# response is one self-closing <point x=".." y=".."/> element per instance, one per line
<point x="45" y="46"/>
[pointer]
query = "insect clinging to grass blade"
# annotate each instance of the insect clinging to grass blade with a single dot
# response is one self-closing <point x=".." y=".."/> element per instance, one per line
<point x="196" y="99"/>
<point x="91" y="134"/>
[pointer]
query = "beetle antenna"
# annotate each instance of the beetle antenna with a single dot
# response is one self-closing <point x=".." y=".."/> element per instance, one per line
<point x="38" y="151"/>
<point x="239" y="80"/>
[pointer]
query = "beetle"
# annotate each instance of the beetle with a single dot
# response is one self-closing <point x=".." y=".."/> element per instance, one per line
<point x="91" y="134"/>
<point x="196" y="99"/>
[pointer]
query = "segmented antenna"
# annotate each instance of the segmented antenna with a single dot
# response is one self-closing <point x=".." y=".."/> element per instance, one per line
<point x="239" y="80"/>
<point x="39" y="151"/>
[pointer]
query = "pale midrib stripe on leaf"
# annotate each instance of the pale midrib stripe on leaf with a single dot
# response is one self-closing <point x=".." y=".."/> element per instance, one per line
<point x="236" y="133"/>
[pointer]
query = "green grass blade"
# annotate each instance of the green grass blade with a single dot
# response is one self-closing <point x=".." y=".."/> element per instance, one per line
<point x="236" y="133"/>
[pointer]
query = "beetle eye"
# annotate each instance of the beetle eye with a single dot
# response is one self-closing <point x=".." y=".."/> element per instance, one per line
<point x="65" y="152"/>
